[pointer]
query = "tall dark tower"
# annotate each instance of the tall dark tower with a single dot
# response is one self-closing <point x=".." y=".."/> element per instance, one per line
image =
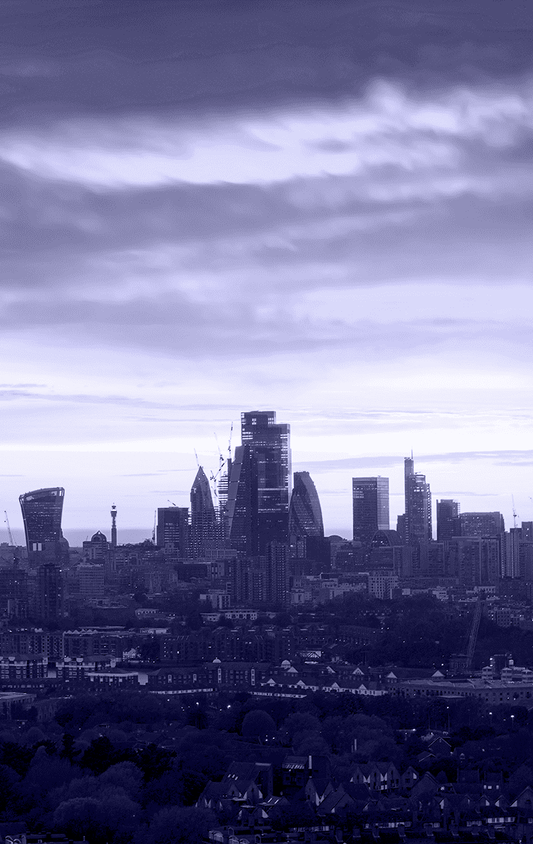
<point x="113" y="526"/>
<point x="41" y="512"/>
<point x="417" y="524"/>
<point x="173" y="532"/>
<point x="448" y="520"/>
<point x="242" y="505"/>
<point x="203" y="519"/>
<point x="269" y="442"/>
<point x="370" y="502"/>
<point x="49" y="592"/>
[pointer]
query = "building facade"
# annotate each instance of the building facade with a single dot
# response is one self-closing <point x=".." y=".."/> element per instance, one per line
<point x="370" y="507"/>
<point x="42" y="510"/>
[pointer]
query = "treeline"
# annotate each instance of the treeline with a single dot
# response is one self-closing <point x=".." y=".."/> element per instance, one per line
<point x="129" y="767"/>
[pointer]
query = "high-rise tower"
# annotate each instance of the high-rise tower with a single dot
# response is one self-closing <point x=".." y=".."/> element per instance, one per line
<point x="448" y="521"/>
<point x="417" y="524"/>
<point x="370" y="499"/>
<point x="269" y="443"/>
<point x="113" y="526"/>
<point x="203" y="520"/>
<point x="41" y="512"/>
<point x="305" y="513"/>
<point x="242" y="502"/>
<point x="173" y="532"/>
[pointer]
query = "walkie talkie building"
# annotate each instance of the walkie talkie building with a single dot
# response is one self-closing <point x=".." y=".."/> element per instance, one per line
<point x="41" y="511"/>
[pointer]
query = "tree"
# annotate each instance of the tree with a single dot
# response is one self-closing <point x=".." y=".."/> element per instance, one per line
<point x="258" y="724"/>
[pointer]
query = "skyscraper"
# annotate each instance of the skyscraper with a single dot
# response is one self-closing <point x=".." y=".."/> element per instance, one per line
<point x="306" y="528"/>
<point x="305" y="513"/>
<point x="417" y="524"/>
<point x="269" y="444"/>
<point x="49" y="592"/>
<point x="173" y="532"/>
<point x="41" y="512"/>
<point x="242" y="504"/>
<point x="448" y="523"/>
<point x="203" y="520"/>
<point x="370" y="503"/>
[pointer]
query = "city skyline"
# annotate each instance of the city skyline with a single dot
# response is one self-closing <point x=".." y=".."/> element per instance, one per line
<point x="321" y="208"/>
<point x="210" y="483"/>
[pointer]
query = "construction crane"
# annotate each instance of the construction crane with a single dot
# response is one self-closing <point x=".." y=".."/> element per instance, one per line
<point x="229" y="441"/>
<point x="6" y="520"/>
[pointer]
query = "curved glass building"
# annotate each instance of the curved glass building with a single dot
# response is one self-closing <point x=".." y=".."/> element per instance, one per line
<point x="42" y="510"/>
<point x="305" y="513"/>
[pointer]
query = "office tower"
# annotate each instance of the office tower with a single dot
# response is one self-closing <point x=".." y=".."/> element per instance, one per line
<point x="49" y="592"/>
<point x="511" y="553"/>
<point x="306" y="528"/>
<point x="269" y="443"/>
<point x="41" y="512"/>
<point x="417" y="523"/>
<point x="482" y="524"/>
<point x="305" y="513"/>
<point x="448" y="522"/>
<point x="370" y="504"/>
<point x="242" y="504"/>
<point x="173" y="532"/>
<point x="203" y="520"/>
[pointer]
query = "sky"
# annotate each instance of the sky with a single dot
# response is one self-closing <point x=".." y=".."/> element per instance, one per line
<point x="321" y="208"/>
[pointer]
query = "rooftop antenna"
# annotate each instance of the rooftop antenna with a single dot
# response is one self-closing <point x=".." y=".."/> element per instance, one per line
<point x="197" y="461"/>
<point x="515" y="514"/>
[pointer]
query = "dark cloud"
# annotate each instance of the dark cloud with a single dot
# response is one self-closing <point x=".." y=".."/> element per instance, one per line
<point x="64" y="57"/>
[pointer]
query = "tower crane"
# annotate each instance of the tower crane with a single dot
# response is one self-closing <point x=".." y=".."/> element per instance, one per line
<point x="6" y="520"/>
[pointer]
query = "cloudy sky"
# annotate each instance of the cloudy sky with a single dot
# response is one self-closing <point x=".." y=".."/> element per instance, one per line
<point x="323" y="208"/>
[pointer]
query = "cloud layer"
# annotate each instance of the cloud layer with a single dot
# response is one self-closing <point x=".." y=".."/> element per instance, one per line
<point x="322" y="209"/>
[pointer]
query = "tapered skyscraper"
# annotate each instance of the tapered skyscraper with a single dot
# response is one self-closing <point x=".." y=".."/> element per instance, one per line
<point x="305" y="513"/>
<point x="203" y="520"/>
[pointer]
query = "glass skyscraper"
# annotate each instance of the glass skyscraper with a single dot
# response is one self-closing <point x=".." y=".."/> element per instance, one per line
<point x="42" y="510"/>
<point x="269" y="444"/>
<point x="370" y="500"/>
<point x="417" y="524"/>
<point x="305" y="513"/>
